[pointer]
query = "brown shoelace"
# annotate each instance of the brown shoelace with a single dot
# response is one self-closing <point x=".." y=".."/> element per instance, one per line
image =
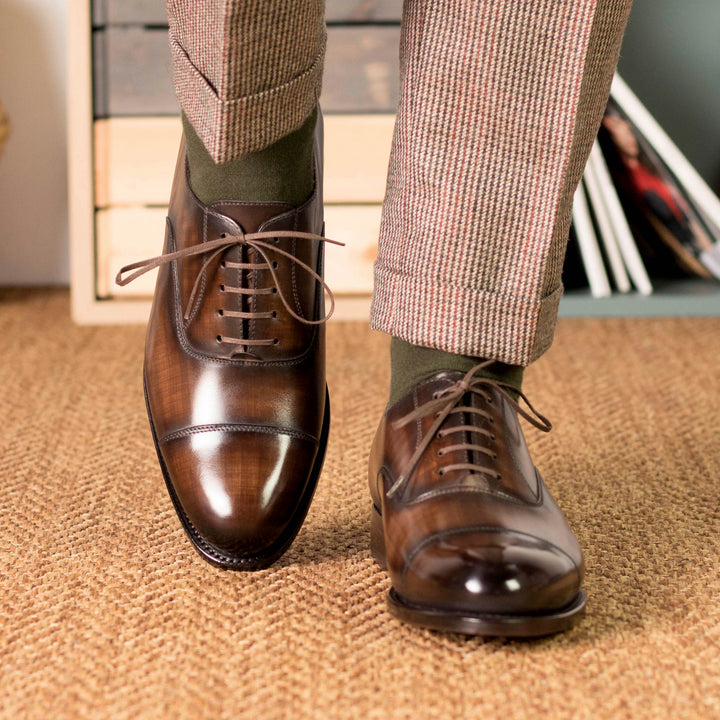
<point x="256" y="241"/>
<point x="446" y="402"/>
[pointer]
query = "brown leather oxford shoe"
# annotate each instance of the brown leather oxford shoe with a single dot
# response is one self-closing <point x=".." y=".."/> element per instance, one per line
<point x="235" y="369"/>
<point x="461" y="518"/>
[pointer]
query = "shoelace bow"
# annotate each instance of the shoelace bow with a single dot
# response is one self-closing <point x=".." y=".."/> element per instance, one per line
<point x="444" y="403"/>
<point x="256" y="241"/>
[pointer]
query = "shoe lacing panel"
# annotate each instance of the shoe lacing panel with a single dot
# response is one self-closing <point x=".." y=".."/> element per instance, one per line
<point x="259" y="242"/>
<point x="246" y="294"/>
<point x="466" y="430"/>
<point x="448" y="402"/>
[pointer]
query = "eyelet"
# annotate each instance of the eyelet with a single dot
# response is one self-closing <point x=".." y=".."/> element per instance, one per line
<point x="223" y="236"/>
<point x="276" y="341"/>
<point x="493" y="438"/>
<point x="494" y="457"/>
<point x="441" y="471"/>
<point x="219" y="338"/>
<point x="275" y="265"/>
<point x="435" y="395"/>
<point x="222" y="264"/>
<point x="274" y="291"/>
<point x="440" y="453"/>
<point x="222" y="288"/>
<point x="274" y="313"/>
<point x="221" y="313"/>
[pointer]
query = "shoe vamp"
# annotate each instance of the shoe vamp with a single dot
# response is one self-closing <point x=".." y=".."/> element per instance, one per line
<point x="416" y="523"/>
<point x="487" y="447"/>
<point x="188" y="389"/>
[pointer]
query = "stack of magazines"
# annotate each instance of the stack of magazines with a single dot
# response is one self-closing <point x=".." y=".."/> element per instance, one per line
<point x="641" y="211"/>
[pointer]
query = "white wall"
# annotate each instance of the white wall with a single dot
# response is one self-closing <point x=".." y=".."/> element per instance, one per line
<point x="33" y="167"/>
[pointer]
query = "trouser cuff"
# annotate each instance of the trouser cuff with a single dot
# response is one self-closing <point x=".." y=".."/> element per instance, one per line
<point x="461" y="320"/>
<point x="230" y="128"/>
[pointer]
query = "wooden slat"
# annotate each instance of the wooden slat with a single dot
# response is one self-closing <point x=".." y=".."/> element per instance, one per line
<point x="363" y="10"/>
<point x="125" y="235"/>
<point x="125" y="12"/>
<point x="122" y="236"/>
<point x="357" y="148"/>
<point x="80" y="175"/>
<point x="133" y="72"/>
<point x="152" y="12"/>
<point x="349" y="270"/>
<point x="361" y="69"/>
<point x="135" y="159"/>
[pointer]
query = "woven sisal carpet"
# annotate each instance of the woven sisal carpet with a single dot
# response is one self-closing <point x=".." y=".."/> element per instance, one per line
<point x="108" y="612"/>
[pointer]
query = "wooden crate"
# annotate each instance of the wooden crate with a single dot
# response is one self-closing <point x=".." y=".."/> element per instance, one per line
<point x="125" y="130"/>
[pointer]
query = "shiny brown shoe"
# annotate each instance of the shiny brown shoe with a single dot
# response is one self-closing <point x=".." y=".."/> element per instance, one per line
<point x="235" y="369"/>
<point x="461" y="518"/>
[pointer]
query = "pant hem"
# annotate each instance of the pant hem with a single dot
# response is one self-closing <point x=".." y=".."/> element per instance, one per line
<point x="230" y="128"/>
<point x="464" y="321"/>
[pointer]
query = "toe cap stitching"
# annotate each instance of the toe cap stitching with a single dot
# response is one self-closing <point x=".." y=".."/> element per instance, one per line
<point x="239" y="428"/>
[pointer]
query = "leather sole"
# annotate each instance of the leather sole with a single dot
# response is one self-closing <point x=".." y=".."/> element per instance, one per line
<point x="221" y="558"/>
<point x="483" y="624"/>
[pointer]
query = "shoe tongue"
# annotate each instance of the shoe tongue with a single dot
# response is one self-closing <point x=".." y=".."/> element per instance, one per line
<point x="250" y="215"/>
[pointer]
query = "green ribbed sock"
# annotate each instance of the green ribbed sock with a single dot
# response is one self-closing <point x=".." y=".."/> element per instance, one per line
<point x="282" y="172"/>
<point x="411" y="364"/>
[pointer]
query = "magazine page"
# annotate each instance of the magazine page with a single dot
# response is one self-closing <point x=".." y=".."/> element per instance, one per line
<point x="589" y="249"/>
<point x="605" y="229"/>
<point x="657" y="192"/>
<point x="646" y="125"/>
<point x="622" y="233"/>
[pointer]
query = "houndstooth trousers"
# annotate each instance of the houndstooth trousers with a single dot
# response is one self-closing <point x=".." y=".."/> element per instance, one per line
<point x="500" y="103"/>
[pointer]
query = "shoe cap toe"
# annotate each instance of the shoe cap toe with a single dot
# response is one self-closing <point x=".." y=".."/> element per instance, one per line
<point x="483" y="571"/>
<point x="239" y="489"/>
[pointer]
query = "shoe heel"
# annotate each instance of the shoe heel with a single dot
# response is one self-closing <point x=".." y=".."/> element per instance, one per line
<point x="377" y="537"/>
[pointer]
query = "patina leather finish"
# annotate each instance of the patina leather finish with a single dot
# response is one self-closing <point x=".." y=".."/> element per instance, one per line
<point x="469" y="533"/>
<point x="235" y="385"/>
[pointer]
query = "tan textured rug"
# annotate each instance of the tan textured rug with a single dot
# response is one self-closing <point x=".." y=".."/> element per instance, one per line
<point x="108" y="612"/>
